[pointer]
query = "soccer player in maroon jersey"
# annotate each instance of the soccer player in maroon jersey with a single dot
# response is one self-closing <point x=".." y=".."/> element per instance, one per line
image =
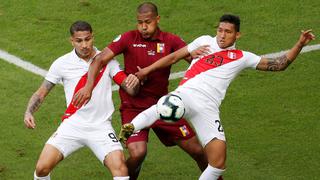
<point x="141" y="48"/>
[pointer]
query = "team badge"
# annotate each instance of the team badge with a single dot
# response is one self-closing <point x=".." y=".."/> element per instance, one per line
<point x="160" y="48"/>
<point x="232" y="55"/>
<point x="117" y="38"/>
<point x="184" y="130"/>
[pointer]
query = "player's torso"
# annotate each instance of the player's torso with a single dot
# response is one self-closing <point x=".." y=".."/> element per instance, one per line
<point x="142" y="53"/>
<point x="212" y="74"/>
<point x="100" y="107"/>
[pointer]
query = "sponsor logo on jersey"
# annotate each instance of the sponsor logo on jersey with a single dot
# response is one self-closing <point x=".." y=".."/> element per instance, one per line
<point x="139" y="45"/>
<point x="151" y="53"/>
<point x="160" y="48"/>
<point x="117" y="38"/>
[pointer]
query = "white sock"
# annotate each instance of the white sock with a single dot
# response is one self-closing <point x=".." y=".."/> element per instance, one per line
<point x="41" y="178"/>
<point x="211" y="173"/>
<point x="121" y="178"/>
<point x="145" y="118"/>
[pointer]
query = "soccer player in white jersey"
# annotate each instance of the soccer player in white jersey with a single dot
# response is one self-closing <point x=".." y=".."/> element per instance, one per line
<point x="205" y="83"/>
<point x="89" y="125"/>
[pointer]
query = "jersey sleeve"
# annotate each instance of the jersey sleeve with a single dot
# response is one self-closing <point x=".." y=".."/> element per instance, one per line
<point x="252" y="60"/>
<point x="178" y="43"/>
<point x="197" y="43"/>
<point x="54" y="74"/>
<point x="116" y="73"/>
<point x="119" y="44"/>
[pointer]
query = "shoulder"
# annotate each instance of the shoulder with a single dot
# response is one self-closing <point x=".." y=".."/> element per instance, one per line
<point x="129" y="35"/>
<point x="169" y="35"/>
<point x="63" y="59"/>
<point x="205" y="38"/>
<point x="113" y="63"/>
<point x="249" y="54"/>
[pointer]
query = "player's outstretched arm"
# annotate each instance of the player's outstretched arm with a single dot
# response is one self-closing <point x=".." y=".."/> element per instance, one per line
<point x="35" y="101"/>
<point x="163" y="62"/>
<point x="282" y="62"/>
<point x="131" y="85"/>
<point x="84" y="94"/>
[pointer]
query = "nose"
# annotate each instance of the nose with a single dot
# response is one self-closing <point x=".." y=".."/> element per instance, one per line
<point x="144" y="26"/>
<point x="84" y="44"/>
<point x="223" y="34"/>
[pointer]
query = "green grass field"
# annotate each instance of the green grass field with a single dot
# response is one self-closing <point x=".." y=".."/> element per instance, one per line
<point x="270" y="119"/>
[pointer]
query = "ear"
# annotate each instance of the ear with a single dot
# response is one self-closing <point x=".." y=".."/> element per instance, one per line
<point x="158" y="19"/>
<point x="238" y="35"/>
<point x="71" y="40"/>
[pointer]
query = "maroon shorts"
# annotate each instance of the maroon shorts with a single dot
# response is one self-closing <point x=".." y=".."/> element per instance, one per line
<point x="168" y="133"/>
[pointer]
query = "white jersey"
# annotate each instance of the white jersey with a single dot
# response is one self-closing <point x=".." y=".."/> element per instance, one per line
<point x="69" y="69"/>
<point x="211" y="75"/>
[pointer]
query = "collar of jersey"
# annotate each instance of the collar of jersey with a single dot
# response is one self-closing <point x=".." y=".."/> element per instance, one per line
<point x="74" y="54"/>
<point x="216" y="46"/>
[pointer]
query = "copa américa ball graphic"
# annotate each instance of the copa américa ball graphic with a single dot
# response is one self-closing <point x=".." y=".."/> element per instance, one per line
<point x="170" y="108"/>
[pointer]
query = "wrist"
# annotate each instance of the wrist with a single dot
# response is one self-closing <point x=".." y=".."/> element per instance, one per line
<point x="27" y="113"/>
<point x="300" y="45"/>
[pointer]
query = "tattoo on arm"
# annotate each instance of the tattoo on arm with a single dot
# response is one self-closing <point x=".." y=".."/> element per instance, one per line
<point x="278" y="64"/>
<point x="34" y="103"/>
<point x="47" y="85"/>
<point x="38" y="97"/>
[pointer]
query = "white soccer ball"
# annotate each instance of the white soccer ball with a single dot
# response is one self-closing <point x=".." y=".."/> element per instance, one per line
<point x="170" y="108"/>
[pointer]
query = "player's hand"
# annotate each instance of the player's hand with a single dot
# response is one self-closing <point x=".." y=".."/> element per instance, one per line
<point x="82" y="97"/>
<point x="306" y="37"/>
<point x="141" y="74"/>
<point x="29" y="120"/>
<point x="125" y="132"/>
<point x="131" y="81"/>
<point x="200" y="52"/>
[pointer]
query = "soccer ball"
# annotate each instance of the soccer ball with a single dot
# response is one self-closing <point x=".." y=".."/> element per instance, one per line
<point x="170" y="108"/>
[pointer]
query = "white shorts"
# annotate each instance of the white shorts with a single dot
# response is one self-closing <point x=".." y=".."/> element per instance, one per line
<point x="203" y="115"/>
<point x="69" y="138"/>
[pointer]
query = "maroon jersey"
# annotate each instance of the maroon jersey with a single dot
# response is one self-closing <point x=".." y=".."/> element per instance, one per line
<point x="141" y="52"/>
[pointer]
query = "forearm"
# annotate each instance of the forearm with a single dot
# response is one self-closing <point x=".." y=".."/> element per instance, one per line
<point x="145" y="119"/>
<point x="93" y="72"/>
<point x="38" y="97"/>
<point x="98" y="62"/>
<point x="162" y="63"/>
<point x="282" y="62"/>
<point x="34" y="103"/>
<point x="169" y="59"/>
<point x="294" y="52"/>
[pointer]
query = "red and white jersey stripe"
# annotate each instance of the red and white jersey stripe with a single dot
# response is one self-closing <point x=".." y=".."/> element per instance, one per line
<point x="211" y="75"/>
<point x="70" y="69"/>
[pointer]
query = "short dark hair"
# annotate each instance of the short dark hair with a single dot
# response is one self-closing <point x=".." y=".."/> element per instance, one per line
<point x="233" y="19"/>
<point x="147" y="7"/>
<point x="80" y="26"/>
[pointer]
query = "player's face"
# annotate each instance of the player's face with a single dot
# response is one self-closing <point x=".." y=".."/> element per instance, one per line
<point x="226" y="34"/>
<point x="147" y="24"/>
<point x="82" y="41"/>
